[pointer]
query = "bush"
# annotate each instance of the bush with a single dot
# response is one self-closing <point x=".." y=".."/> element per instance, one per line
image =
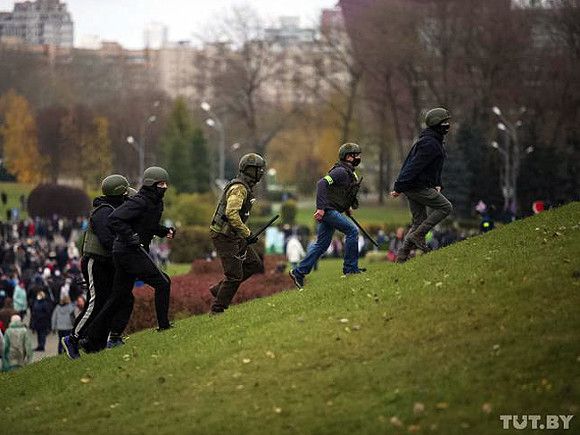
<point x="288" y="212"/>
<point x="191" y="242"/>
<point x="190" y="293"/>
<point x="47" y="200"/>
<point x="189" y="209"/>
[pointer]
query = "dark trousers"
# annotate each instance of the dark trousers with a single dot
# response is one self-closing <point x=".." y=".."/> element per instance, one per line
<point x="41" y="338"/>
<point x="99" y="274"/>
<point x="129" y="266"/>
<point x="62" y="333"/>
<point x="420" y="200"/>
<point x="239" y="263"/>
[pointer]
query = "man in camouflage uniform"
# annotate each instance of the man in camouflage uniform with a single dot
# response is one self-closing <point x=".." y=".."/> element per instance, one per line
<point x="231" y="236"/>
<point x="420" y="181"/>
<point x="336" y="193"/>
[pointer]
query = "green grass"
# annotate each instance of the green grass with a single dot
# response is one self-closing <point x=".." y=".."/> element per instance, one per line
<point x="174" y="269"/>
<point x="392" y="215"/>
<point x="14" y="190"/>
<point x="490" y="321"/>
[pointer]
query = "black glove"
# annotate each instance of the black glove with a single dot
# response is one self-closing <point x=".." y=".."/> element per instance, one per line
<point x="134" y="240"/>
<point x="171" y="230"/>
<point x="251" y="239"/>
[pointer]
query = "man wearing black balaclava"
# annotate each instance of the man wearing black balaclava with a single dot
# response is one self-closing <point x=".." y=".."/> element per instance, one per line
<point x="420" y="181"/>
<point x="135" y="223"/>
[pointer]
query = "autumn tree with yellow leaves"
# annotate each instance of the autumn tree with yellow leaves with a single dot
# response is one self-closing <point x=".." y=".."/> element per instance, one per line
<point x="19" y="139"/>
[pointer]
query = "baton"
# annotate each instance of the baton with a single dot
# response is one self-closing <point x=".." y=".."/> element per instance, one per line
<point x="367" y="235"/>
<point x="265" y="227"/>
<point x="143" y="251"/>
<point x="242" y="256"/>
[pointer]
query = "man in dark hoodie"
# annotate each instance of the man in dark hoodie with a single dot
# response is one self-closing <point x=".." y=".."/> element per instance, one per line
<point x="336" y="193"/>
<point x="420" y="181"/>
<point x="97" y="264"/>
<point x="135" y="223"/>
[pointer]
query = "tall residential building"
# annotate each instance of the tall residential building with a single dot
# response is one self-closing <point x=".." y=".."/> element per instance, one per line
<point x="42" y="22"/>
<point x="289" y="32"/>
<point x="155" y="36"/>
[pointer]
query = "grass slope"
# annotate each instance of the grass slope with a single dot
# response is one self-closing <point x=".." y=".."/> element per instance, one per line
<point x="486" y="327"/>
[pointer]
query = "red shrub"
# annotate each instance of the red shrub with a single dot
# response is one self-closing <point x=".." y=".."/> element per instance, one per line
<point x="190" y="293"/>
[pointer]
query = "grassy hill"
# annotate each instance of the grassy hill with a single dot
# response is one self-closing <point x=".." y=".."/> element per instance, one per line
<point x="443" y="344"/>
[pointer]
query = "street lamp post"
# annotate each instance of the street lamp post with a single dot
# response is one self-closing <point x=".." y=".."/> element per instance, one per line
<point x="512" y="156"/>
<point x="139" y="147"/>
<point x="215" y="123"/>
<point x="141" y="153"/>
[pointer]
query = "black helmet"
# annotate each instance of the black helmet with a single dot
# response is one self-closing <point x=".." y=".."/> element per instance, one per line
<point x="251" y="159"/>
<point x="154" y="175"/>
<point x="114" y="185"/>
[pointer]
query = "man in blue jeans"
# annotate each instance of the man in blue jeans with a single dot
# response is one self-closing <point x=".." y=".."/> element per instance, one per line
<point x="336" y="194"/>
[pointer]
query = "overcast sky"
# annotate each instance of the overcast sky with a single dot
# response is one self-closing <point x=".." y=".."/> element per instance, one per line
<point x="124" y="20"/>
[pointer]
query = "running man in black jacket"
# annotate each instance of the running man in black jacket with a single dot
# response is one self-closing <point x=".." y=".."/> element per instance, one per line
<point x="420" y="181"/>
<point x="97" y="263"/>
<point x="135" y="223"/>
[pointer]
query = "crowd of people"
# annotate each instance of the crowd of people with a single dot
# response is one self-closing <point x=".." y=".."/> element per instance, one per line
<point x="41" y="287"/>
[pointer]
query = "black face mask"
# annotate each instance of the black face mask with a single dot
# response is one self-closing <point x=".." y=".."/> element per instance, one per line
<point x="443" y="128"/>
<point x="160" y="191"/>
<point x="356" y="161"/>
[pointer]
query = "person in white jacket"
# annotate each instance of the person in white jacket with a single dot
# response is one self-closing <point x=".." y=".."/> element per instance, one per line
<point x="294" y="251"/>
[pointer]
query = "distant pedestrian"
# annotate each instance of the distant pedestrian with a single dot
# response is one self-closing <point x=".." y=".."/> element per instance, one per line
<point x="294" y="251"/>
<point x="40" y="321"/>
<point x="20" y="300"/>
<point x="62" y="320"/>
<point x="17" y="350"/>
<point x="420" y="181"/>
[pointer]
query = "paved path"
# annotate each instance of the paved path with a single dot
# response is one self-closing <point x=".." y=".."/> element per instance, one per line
<point x="51" y="348"/>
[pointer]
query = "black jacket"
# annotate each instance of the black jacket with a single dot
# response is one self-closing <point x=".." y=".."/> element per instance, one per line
<point x="139" y="215"/>
<point x="424" y="163"/>
<point x="100" y="219"/>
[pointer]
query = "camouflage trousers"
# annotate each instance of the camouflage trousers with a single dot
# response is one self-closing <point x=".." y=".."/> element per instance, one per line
<point x="239" y="262"/>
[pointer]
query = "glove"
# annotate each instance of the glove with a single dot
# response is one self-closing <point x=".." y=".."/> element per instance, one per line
<point x="134" y="240"/>
<point x="251" y="239"/>
<point x="171" y="231"/>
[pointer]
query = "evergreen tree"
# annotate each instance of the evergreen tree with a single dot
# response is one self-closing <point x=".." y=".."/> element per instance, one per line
<point x="199" y="162"/>
<point x="457" y="177"/>
<point x="176" y="146"/>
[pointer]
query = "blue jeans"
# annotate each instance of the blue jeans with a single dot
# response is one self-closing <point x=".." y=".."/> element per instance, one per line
<point x="332" y="220"/>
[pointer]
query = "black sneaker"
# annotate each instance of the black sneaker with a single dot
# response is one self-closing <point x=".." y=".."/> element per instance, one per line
<point x="71" y="347"/>
<point x="214" y="313"/>
<point x="297" y="279"/>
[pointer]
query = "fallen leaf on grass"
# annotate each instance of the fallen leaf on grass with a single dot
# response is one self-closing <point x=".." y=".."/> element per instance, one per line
<point x="246" y="360"/>
<point x="344" y="320"/>
<point x="277" y="410"/>
<point x="418" y="408"/>
<point x="395" y="421"/>
<point x="270" y="354"/>
<point x="486" y="408"/>
<point x="441" y="406"/>
<point x="85" y="380"/>
<point x="414" y="428"/>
